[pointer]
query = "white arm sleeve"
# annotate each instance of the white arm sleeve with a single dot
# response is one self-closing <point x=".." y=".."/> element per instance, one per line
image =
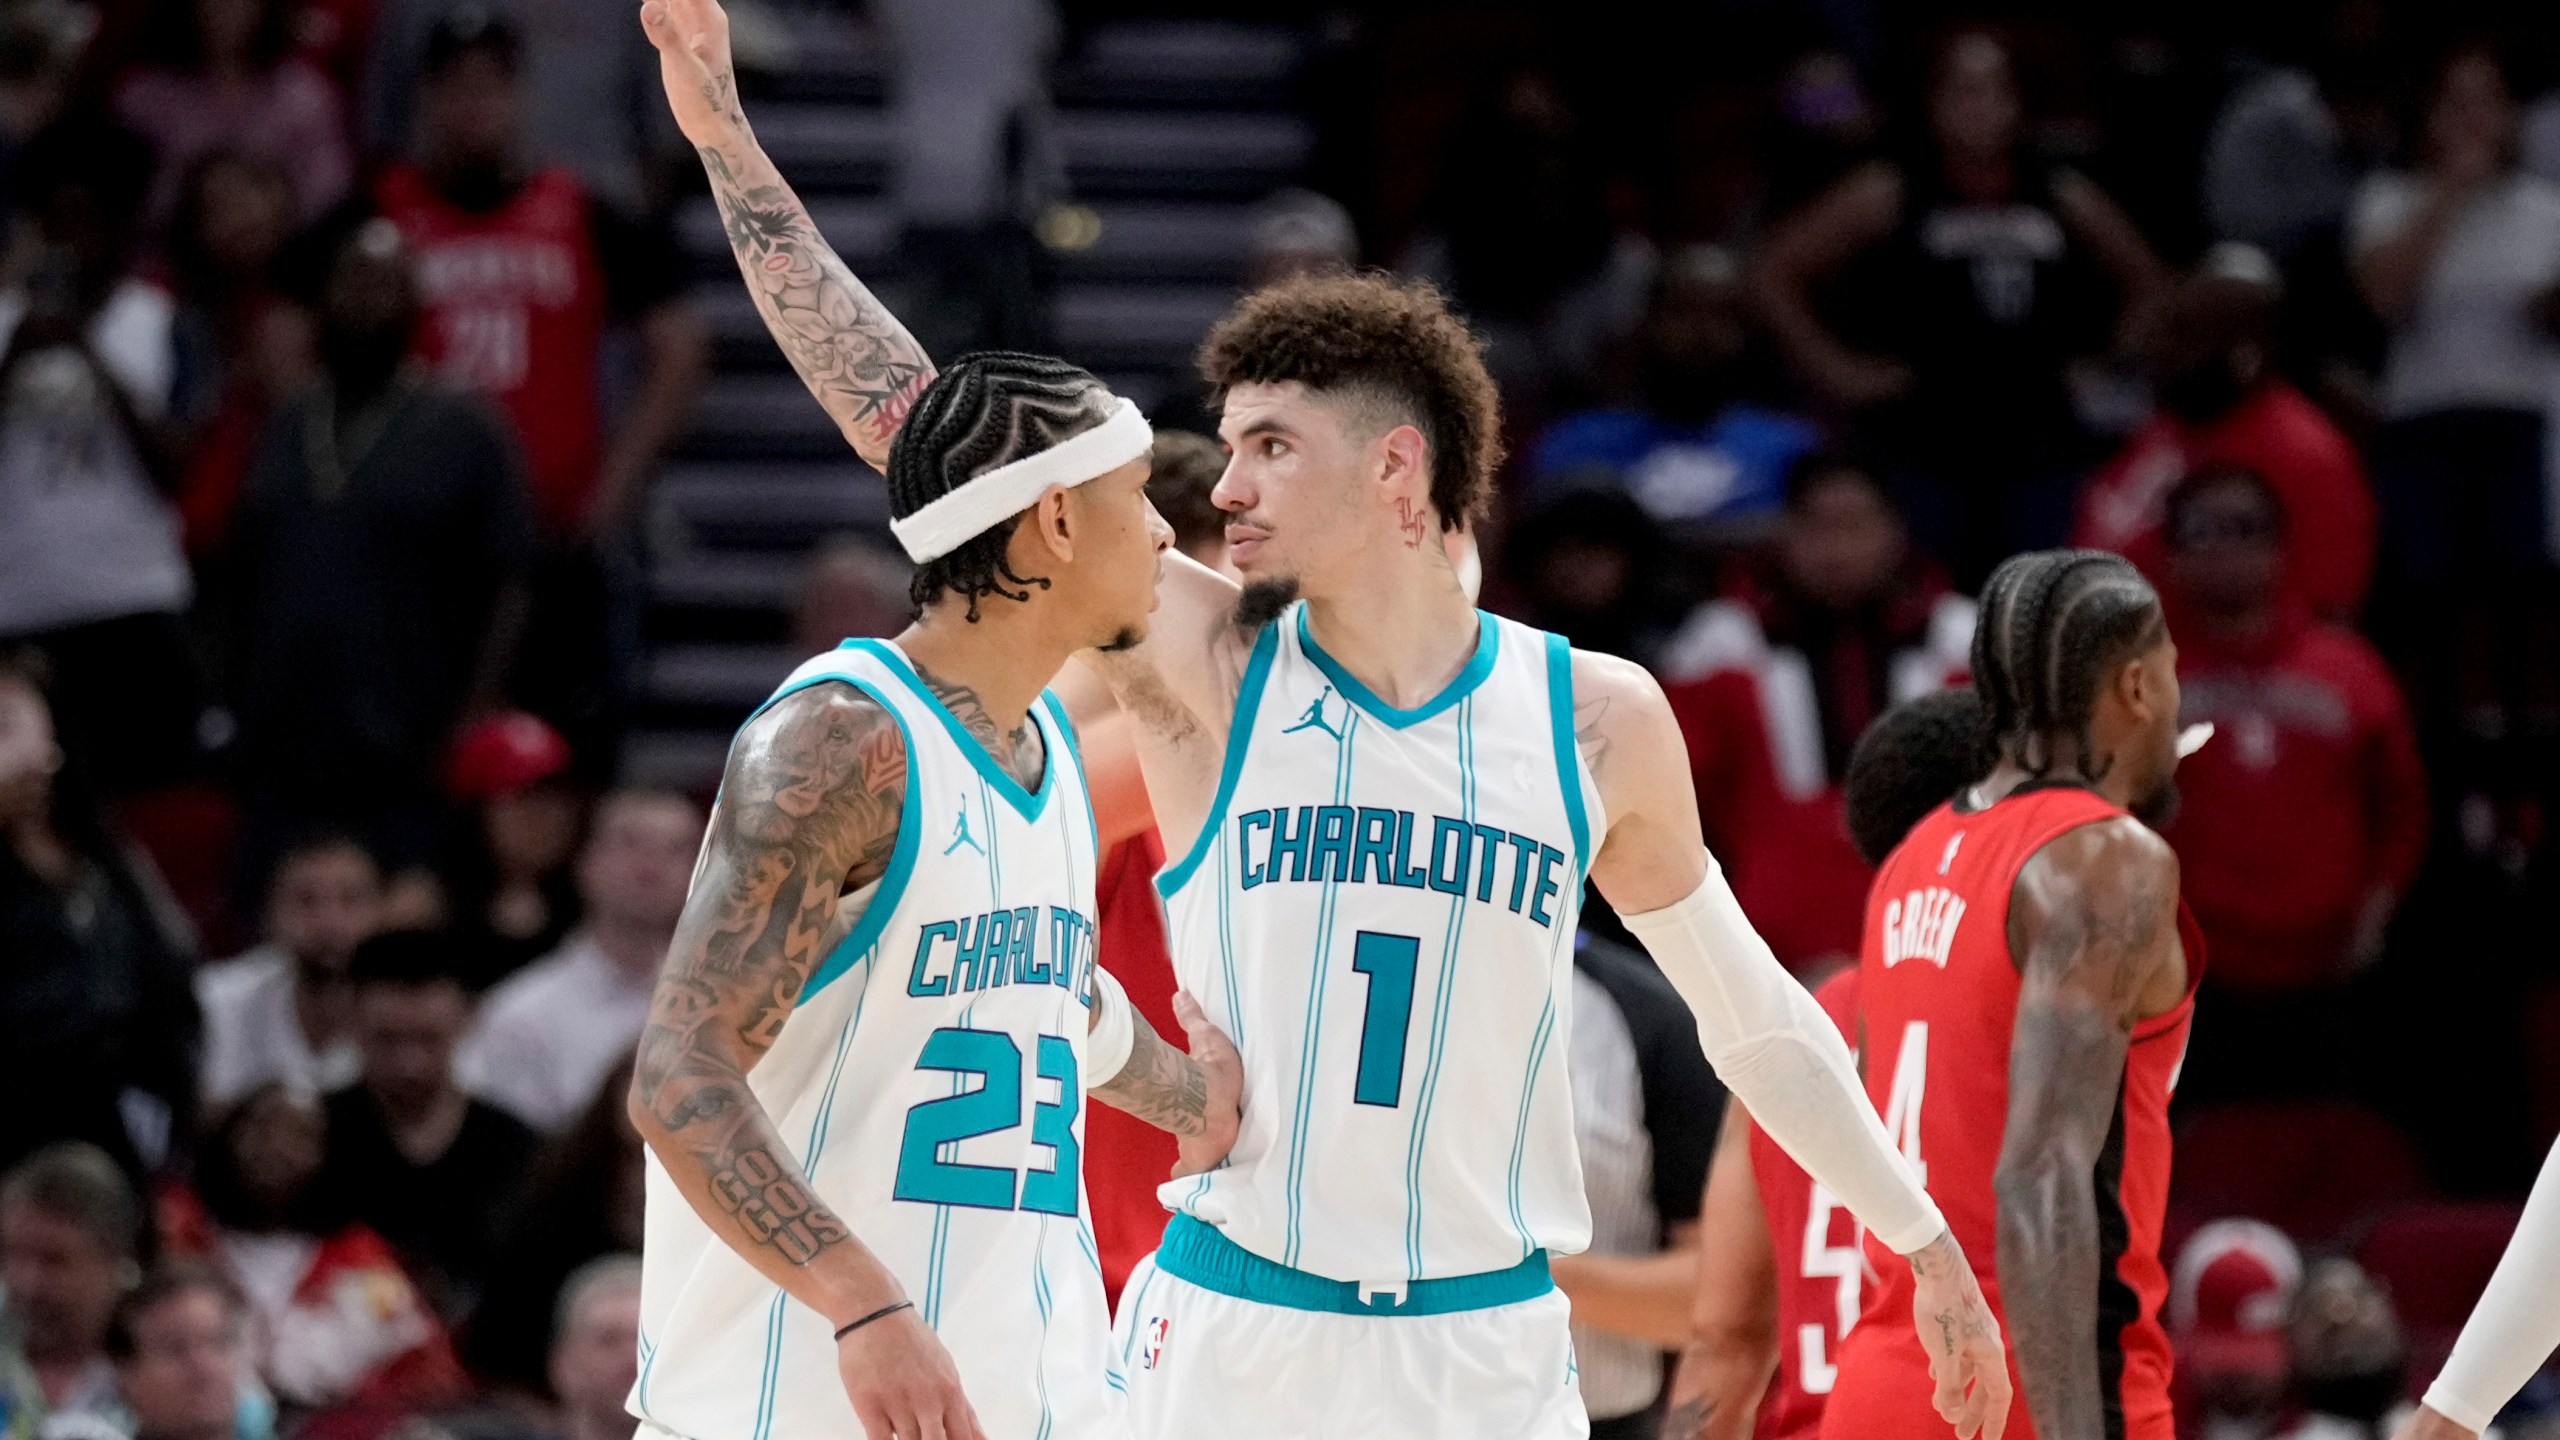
<point x="1772" y="1046"/>
<point x="2517" y="1323"/>
<point x="1114" y="1032"/>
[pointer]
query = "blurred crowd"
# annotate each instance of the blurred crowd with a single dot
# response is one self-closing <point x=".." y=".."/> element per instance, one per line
<point x="339" y="339"/>
<point x="1799" y="340"/>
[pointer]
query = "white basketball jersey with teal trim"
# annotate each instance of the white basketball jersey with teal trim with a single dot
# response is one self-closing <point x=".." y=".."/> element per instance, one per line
<point x="930" y="1083"/>
<point x="1381" y="911"/>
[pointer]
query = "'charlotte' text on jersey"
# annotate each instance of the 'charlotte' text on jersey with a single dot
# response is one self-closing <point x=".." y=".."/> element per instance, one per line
<point x="1371" y="845"/>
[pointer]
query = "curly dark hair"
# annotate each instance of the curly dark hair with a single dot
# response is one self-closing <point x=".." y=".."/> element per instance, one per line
<point x="986" y="410"/>
<point x="1379" y="338"/>
<point x="1912" y="760"/>
<point x="2053" y="623"/>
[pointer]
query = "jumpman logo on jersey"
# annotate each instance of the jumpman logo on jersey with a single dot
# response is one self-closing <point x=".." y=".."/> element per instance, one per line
<point x="1314" y="718"/>
<point x="960" y="834"/>
<point x="1949" y="858"/>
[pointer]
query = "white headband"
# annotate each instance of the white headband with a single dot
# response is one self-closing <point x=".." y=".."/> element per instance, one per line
<point x="962" y="515"/>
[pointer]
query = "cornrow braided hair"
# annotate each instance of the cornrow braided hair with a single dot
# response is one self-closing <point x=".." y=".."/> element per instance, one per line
<point x="2053" y="625"/>
<point x="986" y="410"/>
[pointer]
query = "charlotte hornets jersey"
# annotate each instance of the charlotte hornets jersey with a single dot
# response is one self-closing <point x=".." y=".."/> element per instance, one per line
<point x="1381" y="909"/>
<point x="930" y="1083"/>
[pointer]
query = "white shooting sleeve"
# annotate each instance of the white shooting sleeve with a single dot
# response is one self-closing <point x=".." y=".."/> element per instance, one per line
<point x="1114" y="1032"/>
<point x="1772" y="1046"/>
<point x="2517" y="1323"/>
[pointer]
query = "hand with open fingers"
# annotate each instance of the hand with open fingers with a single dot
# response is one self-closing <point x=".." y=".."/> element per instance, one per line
<point x="902" y="1382"/>
<point x="1967" y="1360"/>
<point x="1223" y="1069"/>
<point x="692" y="37"/>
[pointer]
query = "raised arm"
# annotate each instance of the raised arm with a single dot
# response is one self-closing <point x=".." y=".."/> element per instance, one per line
<point x="2094" y="924"/>
<point x="809" y="809"/>
<point x="863" y="366"/>
<point x="1732" y="1347"/>
<point x="1769" y="1042"/>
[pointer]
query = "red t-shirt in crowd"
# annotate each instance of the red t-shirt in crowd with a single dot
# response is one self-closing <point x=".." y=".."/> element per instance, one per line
<point x="515" y="308"/>
<point x="1762" y="754"/>
<point x="2276" y="431"/>
<point x="1938" y="996"/>
<point x="1126" y="1158"/>
<point x="1788" y="857"/>
<point x="1821" y="1266"/>
<point x="2309" y="798"/>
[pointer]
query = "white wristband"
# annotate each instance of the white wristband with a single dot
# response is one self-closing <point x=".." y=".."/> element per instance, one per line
<point x="1114" y="1032"/>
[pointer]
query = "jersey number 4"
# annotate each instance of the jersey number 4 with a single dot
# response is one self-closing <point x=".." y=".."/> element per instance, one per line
<point x="996" y="1105"/>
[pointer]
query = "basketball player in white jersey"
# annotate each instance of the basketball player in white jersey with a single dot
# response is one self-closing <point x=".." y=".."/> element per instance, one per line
<point x="1386" y="805"/>
<point x="862" y="1080"/>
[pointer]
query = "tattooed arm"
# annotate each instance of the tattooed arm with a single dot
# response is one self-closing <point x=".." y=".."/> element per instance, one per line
<point x="1194" y="1097"/>
<point x="2094" y="926"/>
<point x="809" y="809"/>
<point x="854" y="356"/>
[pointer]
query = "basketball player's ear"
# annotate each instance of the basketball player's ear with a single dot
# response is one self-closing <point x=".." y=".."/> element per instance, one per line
<point x="1400" y="455"/>
<point x="1052" y="526"/>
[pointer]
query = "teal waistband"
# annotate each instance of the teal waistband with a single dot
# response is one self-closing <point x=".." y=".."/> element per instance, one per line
<point x="1195" y="1251"/>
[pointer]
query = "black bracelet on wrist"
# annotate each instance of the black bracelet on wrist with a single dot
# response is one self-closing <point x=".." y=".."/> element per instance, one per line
<point x="882" y="1313"/>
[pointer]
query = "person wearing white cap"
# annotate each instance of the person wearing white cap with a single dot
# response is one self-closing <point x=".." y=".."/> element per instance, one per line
<point x="862" y="1079"/>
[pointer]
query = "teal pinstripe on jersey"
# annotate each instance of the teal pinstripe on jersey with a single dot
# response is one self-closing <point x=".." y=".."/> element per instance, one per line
<point x="1381" y="909"/>
<point x="931" y="1076"/>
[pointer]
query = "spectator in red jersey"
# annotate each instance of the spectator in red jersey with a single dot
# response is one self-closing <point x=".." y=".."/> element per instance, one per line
<point x="1774" y="683"/>
<point x="522" y="273"/>
<point x="221" y="74"/>
<point x="2222" y="402"/>
<point x="2305" y="819"/>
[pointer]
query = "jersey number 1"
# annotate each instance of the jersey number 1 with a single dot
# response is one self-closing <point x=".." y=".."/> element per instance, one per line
<point x="996" y="1105"/>
<point x="1389" y="962"/>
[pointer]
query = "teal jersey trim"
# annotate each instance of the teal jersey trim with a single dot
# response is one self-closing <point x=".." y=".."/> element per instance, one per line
<point x="768" y="1387"/>
<point x="1488" y="648"/>
<point x="902" y="859"/>
<point x="1029" y="803"/>
<point x="1345" y="756"/>
<point x="1440" y="1005"/>
<point x="1196" y="1252"/>
<point x="1257" y="670"/>
<point x="1067" y="731"/>
<point x="1568" y="772"/>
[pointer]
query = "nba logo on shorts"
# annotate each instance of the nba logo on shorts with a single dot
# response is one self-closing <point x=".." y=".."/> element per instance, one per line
<point x="1158" y="1327"/>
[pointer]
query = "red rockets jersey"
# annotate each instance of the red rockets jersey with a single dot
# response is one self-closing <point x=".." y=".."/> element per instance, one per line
<point x="1821" y="1273"/>
<point x="514" y="307"/>
<point x="1938" y="995"/>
